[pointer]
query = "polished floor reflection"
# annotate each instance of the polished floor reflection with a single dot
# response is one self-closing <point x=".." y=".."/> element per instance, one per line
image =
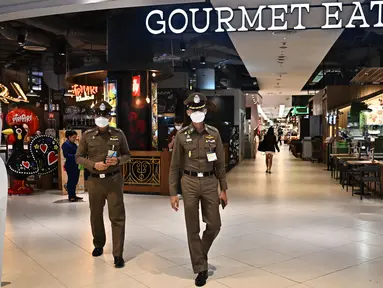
<point x="294" y="228"/>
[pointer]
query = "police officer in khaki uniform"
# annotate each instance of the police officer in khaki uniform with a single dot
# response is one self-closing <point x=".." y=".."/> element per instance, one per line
<point x="102" y="150"/>
<point x="199" y="154"/>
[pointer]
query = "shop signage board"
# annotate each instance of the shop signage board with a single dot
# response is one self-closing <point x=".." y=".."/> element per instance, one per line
<point x="5" y="95"/>
<point x="84" y="92"/>
<point x="254" y="21"/>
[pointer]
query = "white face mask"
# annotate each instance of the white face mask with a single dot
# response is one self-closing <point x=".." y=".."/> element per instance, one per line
<point x="197" y="117"/>
<point x="101" y="122"/>
<point x="178" y="127"/>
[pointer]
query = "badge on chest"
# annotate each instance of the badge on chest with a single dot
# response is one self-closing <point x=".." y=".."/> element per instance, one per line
<point x="188" y="139"/>
<point x="211" y="155"/>
<point x="210" y="139"/>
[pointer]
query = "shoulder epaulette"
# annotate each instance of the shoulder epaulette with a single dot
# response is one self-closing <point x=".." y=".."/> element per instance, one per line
<point x="184" y="129"/>
<point x="90" y="130"/>
<point x="116" y="129"/>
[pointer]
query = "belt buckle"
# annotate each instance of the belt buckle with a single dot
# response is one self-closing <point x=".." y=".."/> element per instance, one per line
<point x="102" y="176"/>
<point x="200" y="175"/>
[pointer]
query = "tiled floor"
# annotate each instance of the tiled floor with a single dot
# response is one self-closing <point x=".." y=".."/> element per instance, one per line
<point x="295" y="228"/>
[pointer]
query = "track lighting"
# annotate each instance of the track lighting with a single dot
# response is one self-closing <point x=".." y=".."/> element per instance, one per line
<point x="202" y="60"/>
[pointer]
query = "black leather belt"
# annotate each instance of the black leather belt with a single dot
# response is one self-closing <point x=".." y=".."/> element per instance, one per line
<point x="104" y="175"/>
<point x="199" y="174"/>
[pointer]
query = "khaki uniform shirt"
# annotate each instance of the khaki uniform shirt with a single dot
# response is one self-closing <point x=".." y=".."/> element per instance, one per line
<point x="94" y="146"/>
<point x="190" y="153"/>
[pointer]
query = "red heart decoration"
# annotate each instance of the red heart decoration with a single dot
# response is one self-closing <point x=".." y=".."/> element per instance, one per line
<point x="52" y="158"/>
<point x="44" y="148"/>
<point x="26" y="164"/>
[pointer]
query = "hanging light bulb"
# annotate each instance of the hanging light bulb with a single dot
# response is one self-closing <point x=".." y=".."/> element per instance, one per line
<point x="182" y="46"/>
<point x="147" y="99"/>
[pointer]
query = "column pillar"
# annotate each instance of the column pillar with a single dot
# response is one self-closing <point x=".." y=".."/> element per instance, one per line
<point x="129" y="45"/>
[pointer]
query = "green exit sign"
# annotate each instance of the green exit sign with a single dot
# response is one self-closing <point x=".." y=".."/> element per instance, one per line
<point x="300" y="111"/>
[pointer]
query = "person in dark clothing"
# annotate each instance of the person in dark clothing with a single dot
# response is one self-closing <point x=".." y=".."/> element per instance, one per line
<point x="270" y="145"/>
<point x="280" y="134"/>
<point x="69" y="149"/>
<point x="178" y="125"/>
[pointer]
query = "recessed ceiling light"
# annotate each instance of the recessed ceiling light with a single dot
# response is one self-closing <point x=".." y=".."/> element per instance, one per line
<point x="283" y="47"/>
<point x="284" y="33"/>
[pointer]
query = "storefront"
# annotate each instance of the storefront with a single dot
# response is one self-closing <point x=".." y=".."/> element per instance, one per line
<point x="350" y="114"/>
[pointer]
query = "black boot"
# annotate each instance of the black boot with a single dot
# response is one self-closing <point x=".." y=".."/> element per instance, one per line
<point x="201" y="279"/>
<point x="97" y="252"/>
<point x="119" y="262"/>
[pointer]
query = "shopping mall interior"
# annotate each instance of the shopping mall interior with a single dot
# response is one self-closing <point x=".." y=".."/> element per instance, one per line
<point x="310" y="71"/>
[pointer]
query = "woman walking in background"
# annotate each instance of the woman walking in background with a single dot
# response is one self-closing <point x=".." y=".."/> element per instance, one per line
<point x="256" y="142"/>
<point x="270" y="144"/>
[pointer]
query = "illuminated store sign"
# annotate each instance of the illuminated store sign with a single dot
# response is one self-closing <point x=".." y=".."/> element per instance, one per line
<point x="83" y="92"/>
<point x="5" y="96"/>
<point x="136" y="86"/>
<point x="300" y="111"/>
<point x="254" y="21"/>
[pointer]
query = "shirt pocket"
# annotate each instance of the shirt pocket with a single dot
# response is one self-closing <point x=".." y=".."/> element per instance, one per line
<point x="94" y="147"/>
<point x="191" y="150"/>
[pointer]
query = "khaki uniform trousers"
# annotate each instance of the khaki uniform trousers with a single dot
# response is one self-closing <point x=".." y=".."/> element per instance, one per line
<point x="107" y="189"/>
<point x="194" y="191"/>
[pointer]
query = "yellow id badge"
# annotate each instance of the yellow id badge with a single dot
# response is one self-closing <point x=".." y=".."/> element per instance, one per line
<point x="211" y="157"/>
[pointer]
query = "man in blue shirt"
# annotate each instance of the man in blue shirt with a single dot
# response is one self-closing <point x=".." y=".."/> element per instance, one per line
<point x="69" y="149"/>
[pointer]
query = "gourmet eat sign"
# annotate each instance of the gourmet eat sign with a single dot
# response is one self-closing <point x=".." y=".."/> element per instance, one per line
<point x="157" y="23"/>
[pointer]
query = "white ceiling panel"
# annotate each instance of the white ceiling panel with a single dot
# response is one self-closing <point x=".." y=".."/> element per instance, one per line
<point x="306" y="48"/>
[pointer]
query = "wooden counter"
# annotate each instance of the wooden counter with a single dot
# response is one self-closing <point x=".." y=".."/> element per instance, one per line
<point x="147" y="172"/>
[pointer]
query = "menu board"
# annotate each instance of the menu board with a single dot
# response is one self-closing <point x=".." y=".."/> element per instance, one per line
<point x="167" y="101"/>
<point x="62" y="173"/>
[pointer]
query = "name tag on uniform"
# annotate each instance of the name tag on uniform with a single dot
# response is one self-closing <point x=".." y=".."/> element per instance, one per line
<point x="102" y="176"/>
<point x="211" y="157"/>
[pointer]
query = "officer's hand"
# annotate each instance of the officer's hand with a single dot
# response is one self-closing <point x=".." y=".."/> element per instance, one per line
<point x="223" y="196"/>
<point x="101" y="166"/>
<point x="112" y="161"/>
<point x="175" y="202"/>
